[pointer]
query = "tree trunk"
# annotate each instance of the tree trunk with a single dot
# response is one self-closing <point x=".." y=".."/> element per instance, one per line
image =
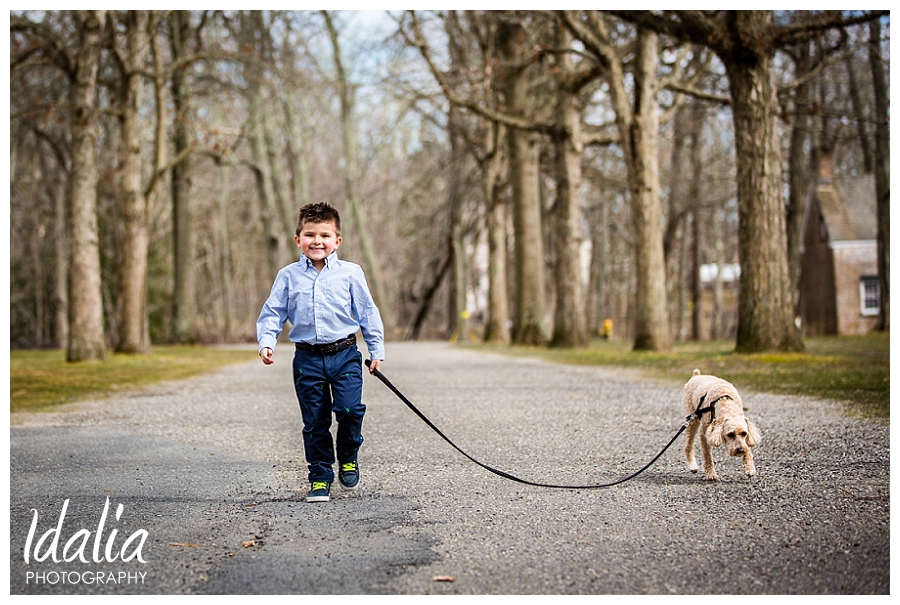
<point x="54" y="175"/>
<point x="765" y="305"/>
<point x="497" y="329"/>
<point x="133" y="337"/>
<point x="297" y="147"/>
<point x="676" y="226"/>
<point x="225" y="254"/>
<point x="183" y="327"/>
<point x="638" y="128"/>
<point x="459" y="312"/>
<point x="651" y="321"/>
<point x="272" y="225"/>
<point x="37" y="269"/>
<point x="695" y="199"/>
<point x="288" y="215"/>
<point x="799" y="163"/>
<point x="718" y="327"/>
<point x="570" y="322"/>
<point x="859" y="114"/>
<point x="599" y="299"/>
<point x="882" y="172"/>
<point x="528" y="326"/>
<point x="86" y="337"/>
<point x="60" y="267"/>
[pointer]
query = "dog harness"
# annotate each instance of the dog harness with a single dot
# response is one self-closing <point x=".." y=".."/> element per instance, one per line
<point x="711" y="408"/>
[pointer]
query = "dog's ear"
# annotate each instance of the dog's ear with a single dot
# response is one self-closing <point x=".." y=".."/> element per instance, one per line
<point x="714" y="433"/>
<point x="753" y="436"/>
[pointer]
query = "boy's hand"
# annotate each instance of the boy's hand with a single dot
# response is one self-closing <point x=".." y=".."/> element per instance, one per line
<point x="376" y="364"/>
<point x="266" y="355"/>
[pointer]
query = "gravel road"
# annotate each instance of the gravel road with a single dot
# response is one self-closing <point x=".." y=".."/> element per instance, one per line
<point x="210" y="472"/>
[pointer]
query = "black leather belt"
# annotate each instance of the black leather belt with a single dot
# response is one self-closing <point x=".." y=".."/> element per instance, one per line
<point x="327" y="349"/>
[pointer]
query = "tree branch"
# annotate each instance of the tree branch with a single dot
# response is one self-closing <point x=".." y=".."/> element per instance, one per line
<point x="54" y="46"/>
<point x="161" y="171"/>
<point x="697" y="93"/>
<point x="599" y="138"/>
<point x="803" y="32"/>
<point x="475" y="107"/>
<point x="54" y="146"/>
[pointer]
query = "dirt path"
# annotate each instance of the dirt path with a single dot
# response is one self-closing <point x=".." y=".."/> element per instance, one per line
<point x="211" y="469"/>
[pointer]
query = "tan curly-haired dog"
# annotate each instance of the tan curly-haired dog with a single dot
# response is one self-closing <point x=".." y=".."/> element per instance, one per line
<point x="722" y="423"/>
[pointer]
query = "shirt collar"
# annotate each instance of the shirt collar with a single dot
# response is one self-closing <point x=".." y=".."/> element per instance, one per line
<point x="329" y="260"/>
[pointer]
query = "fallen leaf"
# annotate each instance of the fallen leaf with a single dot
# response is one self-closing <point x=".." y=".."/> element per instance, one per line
<point x="442" y="579"/>
<point x="249" y="543"/>
<point x="185" y="544"/>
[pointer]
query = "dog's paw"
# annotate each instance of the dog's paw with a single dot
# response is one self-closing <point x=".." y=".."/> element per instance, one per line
<point x="710" y="477"/>
<point x="750" y="471"/>
<point x="693" y="467"/>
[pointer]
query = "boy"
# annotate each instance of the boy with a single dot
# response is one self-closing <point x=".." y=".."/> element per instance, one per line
<point x="327" y="301"/>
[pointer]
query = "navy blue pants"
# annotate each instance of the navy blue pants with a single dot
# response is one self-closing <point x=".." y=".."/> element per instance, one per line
<point x="327" y="384"/>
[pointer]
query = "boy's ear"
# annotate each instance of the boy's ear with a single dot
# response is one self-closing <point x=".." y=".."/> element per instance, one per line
<point x="337" y="242"/>
<point x="297" y="240"/>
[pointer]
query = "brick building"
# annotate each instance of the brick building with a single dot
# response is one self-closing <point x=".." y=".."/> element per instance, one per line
<point x="839" y="291"/>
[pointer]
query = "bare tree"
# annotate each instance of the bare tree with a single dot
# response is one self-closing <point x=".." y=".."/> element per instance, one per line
<point x="183" y="327"/>
<point x="484" y="138"/>
<point x="357" y="221"/>
<point x="133" y="328"/>
<point x="570" y="316"/>
<point x="530" y="302"/>
<point x="746" y="42"/>
<point x="525" y="123"/>
<point x="79" y="60"/>
<point x="638" y="127"/>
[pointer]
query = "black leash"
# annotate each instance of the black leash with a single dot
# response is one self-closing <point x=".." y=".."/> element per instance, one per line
<point x="505" y="475"/>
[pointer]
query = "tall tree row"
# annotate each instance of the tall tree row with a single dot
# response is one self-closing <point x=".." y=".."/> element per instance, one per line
<point x="535" y="177"/>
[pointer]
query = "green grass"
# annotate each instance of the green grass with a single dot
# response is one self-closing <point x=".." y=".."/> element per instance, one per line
<point x="854" y="370"/>
<point x="41" y="380"/>
<point x="850" y="369"/>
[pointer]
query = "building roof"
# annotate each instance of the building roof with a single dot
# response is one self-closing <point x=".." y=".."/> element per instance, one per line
<point x="848" y="205"/>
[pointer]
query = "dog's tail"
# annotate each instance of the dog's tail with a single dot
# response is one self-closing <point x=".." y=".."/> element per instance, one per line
<point x="696" y="372"/>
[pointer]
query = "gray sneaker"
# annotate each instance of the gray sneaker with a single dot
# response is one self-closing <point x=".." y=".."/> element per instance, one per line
<point x="349" y="475"/>
<point x="319" y="491"/>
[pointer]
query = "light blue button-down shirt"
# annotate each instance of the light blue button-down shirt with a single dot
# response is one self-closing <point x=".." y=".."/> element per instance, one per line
<point x="323" y="306"/>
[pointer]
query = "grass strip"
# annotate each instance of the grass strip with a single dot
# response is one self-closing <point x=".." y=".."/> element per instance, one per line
<point x="854" y="370"/>
<point x="41" y="380"/>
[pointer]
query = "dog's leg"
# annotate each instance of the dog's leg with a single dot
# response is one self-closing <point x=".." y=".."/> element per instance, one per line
<point x="709" y="469"/>
<point x="749" y="467"/>
<point x="690" y="435"/>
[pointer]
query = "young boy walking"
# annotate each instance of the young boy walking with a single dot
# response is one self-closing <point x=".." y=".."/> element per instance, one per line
<point x="327" y="300"/>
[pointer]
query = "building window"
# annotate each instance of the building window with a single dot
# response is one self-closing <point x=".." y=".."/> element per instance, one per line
<point x="869" y="295"/>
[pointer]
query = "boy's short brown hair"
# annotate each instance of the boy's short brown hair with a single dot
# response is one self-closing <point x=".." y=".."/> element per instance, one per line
<point x="319" y="212"/>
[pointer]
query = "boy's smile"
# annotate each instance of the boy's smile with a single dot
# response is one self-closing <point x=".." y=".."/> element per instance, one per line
<point x="317" y="241"/>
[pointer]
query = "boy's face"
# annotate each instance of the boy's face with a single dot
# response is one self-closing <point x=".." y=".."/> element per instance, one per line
<point x="318" y="240"/>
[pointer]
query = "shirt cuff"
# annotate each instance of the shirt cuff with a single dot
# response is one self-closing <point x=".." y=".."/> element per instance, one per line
<point x="376" y="352"/>
<point x="266" y="342"/>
